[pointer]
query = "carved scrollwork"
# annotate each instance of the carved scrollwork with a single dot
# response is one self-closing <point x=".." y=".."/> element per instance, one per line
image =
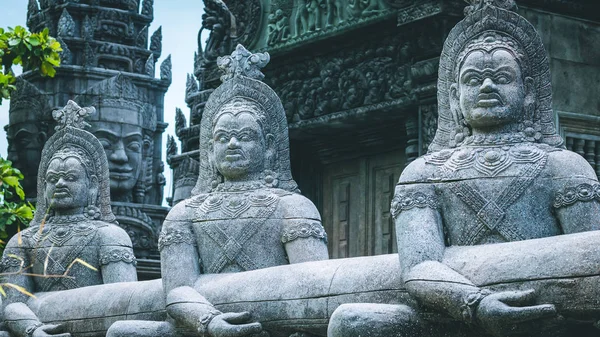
<point x="304" y="230"/>
<point x="571" y="195"/>
<point x="118" y="255"/>
<point x="405" y="201"/>
<point x="173" y="236"/>
<point x="8" y="262"/>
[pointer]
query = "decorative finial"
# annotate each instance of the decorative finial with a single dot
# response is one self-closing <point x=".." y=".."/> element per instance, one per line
<point x="475" y="5"/>
<point x="72" y="115"/>
<point x="243" y="63"/>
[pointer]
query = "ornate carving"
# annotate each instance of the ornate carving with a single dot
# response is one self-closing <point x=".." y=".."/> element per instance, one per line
<point x="405" y="201"/>
<point x="66" y="25"/>
<point x="149" y="67"/>
<point x="476" y="5"/>
<point x="428" y="125"/>
<point x="148" y="8"/>
<point x="171" y="147"/>
<point x="304" y="230"/>
<point x="248" y="18"/>
<point x="165" y="70"/>
<point x="278" y="27"/>
<point x="141" y="39"/>
<point x="156" y="43"/>
<point x="571" y="195"/>
<point x="89" y="56"/>
<point x="174" y="236"/>
<point x="66" y="57"/>
<point x="242" y="63"/>
<point x="118" y="255"/>
<point x="87" y="30"/>
<point x="180" y="122"/>
<point x="72" y="115"/>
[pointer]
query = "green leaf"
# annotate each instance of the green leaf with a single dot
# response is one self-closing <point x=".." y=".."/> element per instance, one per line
<point x="11" y="181"/>
<point x="34" y="40"/>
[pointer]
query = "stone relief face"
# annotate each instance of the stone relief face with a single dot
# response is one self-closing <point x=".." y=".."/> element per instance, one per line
<point x="123" y="145"/>
<point x="491" y="88"/>
<point x="238" y="146"/>
<point x="67" y="185"/>
<point x="25" y="144"/>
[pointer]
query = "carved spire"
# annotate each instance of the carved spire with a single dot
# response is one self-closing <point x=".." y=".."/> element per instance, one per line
<point x="72" y="115"/>
<point x="66" y="57"/>
<point x="475" y="5"/>
<point x="191" y="86"/>
<point x="32" y="9"/>
<point x="148" y="7"/>
<point x="171" y="148"/>
<point x="89" y="56"/>
<point x="243" y="63"/>
<point x="142" y="39"/>
<point x="165" y="69"/>
<point x="66" y="25"/>
<point x="156" y="42"/>
<point x="149" y="67"/>
<point x="87" y="31"/>
<point x="180" y="122"/>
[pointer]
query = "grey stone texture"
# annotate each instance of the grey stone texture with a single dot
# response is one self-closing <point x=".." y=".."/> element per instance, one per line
<point x="496" y="172"/>
<point x="108" y="62"/>
<point x="73" y="240"/>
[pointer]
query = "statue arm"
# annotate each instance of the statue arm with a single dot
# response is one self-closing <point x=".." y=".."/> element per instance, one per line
<point x="303" y="234"/>
<point x="421" y="249"/>
<point x="15" y="266"/>
<point x="577" y="197"/>
<point x="117" y="261"/>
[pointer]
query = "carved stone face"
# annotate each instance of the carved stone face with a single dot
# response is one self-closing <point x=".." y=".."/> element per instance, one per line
<point x="238" y="146"/>
<point x="67" y="185"/>
<point x="25" y="142"/>
<point x="123" y="146"/>
<point x="491" y="90"/>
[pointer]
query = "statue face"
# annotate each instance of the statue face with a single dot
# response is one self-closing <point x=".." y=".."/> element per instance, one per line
<point x="67" y="184"/>
<point x="491" y="88"/>
<point x="25" y="144"/>
<point x="123" y="146"/>
<point x="238" y="146"/>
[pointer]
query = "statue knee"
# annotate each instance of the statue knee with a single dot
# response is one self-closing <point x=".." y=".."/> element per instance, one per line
<point x="140" y="329"/>
<point x="373" y="320"/>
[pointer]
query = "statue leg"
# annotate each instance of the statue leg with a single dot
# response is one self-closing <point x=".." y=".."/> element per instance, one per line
<point x="373" y="320"/>
<point x="141" y="329"/>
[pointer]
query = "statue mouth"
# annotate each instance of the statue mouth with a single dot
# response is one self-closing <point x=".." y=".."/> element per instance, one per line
<point x="489" y="100"/>
<point x="120" y="176"/>
<point x="61" y="193"/>
<point x="233" y="155"/>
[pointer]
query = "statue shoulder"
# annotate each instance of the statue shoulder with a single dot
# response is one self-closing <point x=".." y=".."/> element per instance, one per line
<point x="568" y="164"/>
<point x="184" y="210"/>
<point x="418" y="171"/>
<point x="113" y="235"/>
<point x="295" y="205"/>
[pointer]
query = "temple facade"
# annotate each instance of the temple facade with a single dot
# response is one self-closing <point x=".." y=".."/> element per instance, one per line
<point x="109" y="62"/>
<point x="358" y="80"/>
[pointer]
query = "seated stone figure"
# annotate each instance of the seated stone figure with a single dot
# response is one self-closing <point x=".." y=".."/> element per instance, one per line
<point x="73" y="228"/>
<point x="496" y="172"/>
<point x="246" y="212"/>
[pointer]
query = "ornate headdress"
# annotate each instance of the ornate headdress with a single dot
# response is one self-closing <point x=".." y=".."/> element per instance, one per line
<point x="242" y="85"/>
<point x="70" y="140"/>
<point x="491" y="24"/>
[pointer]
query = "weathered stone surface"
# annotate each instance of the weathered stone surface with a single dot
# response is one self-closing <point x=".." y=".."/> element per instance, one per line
<point x="73" y="240"/>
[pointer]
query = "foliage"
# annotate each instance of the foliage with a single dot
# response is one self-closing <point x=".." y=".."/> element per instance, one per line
<point x="37" y="51"/>
<point x="14" y="210"/>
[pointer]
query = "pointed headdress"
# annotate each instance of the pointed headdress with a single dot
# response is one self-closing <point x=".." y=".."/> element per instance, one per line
<point x="493" y="24"/>
<point x="242" y="85"/>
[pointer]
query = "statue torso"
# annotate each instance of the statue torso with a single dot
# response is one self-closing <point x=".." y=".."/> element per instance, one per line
<point x="239" y="230"/>
<point x="493" y="194"/>
<point x="55" y="249"/>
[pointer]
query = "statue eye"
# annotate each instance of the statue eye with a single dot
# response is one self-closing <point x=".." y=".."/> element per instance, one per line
<point x="222" y="139"/>
<point x="134" y="146"/>
<point x="70" y="177"/>
<point x="502" y="79"/>
<point x="51" y="179"/>
<point x="472" y="81"/>
<point x="105" y="143"/>
<point x="245" y="137"/>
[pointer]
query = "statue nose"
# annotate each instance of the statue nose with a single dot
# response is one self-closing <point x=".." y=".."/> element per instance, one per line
<point x="487" y="85"/>
<point x="233" y="143"/>
<point x="119" y="155"/>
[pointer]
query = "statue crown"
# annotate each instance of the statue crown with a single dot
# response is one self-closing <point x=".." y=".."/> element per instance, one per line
<point x="243" y="63"/>
<point x="72" y="115"/>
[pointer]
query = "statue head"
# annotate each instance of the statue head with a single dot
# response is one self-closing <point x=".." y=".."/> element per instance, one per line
<point x="73" y="173"/>
<point x="125" y="126"/>
<point x="29" y="118"/>
<point x="243" y="132"/>
<point x="494" y="79"/>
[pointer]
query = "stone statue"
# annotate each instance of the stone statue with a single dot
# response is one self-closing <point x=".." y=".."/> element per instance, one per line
<point x="246" y="212"/>
<point x="72" y="241"/>
<point x="495" y="173"/>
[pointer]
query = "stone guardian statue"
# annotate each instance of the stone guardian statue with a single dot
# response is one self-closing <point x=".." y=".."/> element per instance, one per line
<point x="246" y="212"/>
<point x="496" y="172"/>
<point x="73" y="240"/>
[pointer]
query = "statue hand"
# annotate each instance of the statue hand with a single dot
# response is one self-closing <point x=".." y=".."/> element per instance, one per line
<point x="50" y="330"/>
<point x="233" y="324"/>
<point x="501" y="313"/>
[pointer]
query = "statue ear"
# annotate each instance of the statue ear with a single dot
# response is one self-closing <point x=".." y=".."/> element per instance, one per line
<point x="529" y="97"/>
<point x="270" y="153"/>
<point x="455" y="103"/>
<point x="93" y="195"/>
<point x="42" y="137"/>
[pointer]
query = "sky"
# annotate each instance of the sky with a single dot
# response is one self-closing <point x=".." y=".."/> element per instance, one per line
<point x="180" y="21"/>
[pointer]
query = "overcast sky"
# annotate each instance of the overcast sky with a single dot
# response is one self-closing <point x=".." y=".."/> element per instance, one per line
<point x="180" y="21"/>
